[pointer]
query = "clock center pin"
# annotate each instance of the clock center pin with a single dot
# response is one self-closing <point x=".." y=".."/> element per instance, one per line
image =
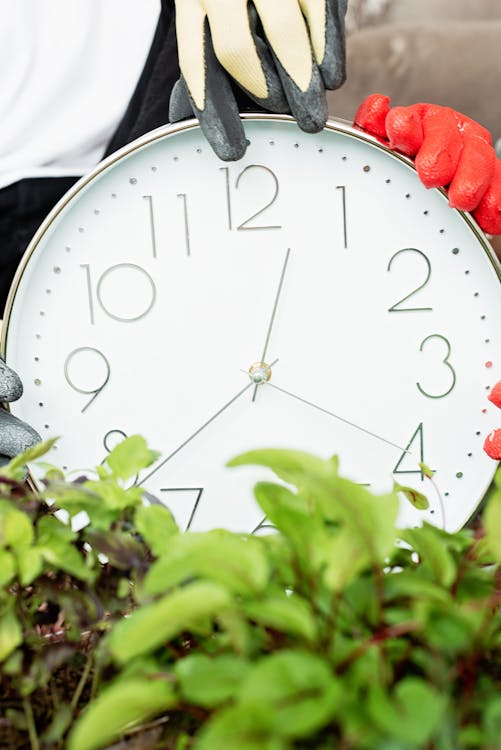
<point x="259" y="372"/>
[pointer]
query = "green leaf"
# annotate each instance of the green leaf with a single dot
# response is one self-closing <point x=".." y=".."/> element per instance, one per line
<point x="156" y="525"/>
<point x="333" y="461"/>
<point x="14" y="664"/>
<point x="19" y="462"/>
<point x="67" y="558"/>
<point x="237" y="562"/>
<point x="52" y="473"/>
<point x="291" y="466"/>
<point x="123" y="588"/>
<point x="491" y="719"/>
<point x="113" y="496"/>
<point x="492" y="523"/>
<point x="300" y="689"/>
<point x="412" y="714"/>
<point x="30" y="565"/>
<point x="130" y="457"/>
<point x="16" y="529"/>
<point x="286" y="510"/>
<point x="417" y="499"/>
<point x="286" y="614"/>
<point x="50" y="529"/>
<point x="55" y="547"/>
<point x="209" y="682"/>
<point x="451" y="632"/>
<point x="75" y="498"/>
<point x="118" y="708"/>
<point x="11" y="634"/>
<point x="61" y="720"/>
<point x="240" y="728"/>
<point x="151" y="626"/>
<point x="293" y="516"/>
<point x="410" y="585"/>
<point x="433" y="553"/>
<point x="345" y="557"/>
<point x="7" y="567"/>
<point x="426" y="470"/>
<point x="371" y="518"/>
<point x="122" y="550"/>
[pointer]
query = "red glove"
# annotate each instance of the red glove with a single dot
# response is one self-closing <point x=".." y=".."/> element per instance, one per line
<point x="492" y="444"/>
<point x="449" y="148"/>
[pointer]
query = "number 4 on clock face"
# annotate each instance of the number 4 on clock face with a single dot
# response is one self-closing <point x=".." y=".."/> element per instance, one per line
<point x="413" y="454"/>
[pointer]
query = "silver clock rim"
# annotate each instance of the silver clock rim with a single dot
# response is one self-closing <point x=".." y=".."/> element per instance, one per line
<point x="333" y="124"/>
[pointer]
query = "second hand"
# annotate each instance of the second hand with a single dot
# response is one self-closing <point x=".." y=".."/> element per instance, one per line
<point x="336" y="416"/>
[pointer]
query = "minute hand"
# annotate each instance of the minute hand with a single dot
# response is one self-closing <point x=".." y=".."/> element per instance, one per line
<point x="273" y="313"/>
<point x="336" y="416"/>
<point x="197" y="432"/>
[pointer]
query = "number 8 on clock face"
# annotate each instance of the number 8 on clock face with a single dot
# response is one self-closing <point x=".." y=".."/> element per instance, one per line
<point x="313" y="296"/>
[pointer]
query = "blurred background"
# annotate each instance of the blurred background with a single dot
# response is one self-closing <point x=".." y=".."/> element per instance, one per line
<point x="442" y="51"/>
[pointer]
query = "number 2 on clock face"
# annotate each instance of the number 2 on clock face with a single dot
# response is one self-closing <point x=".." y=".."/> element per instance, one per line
<point x="313" y="296"/>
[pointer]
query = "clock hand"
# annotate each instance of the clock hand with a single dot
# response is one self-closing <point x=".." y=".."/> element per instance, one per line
<point x="272" y="319"/>
<point x="197" y="432"/>
<point x="336" y="416"/>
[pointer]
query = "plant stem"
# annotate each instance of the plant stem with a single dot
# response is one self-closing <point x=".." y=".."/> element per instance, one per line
<point x="30" y="720"/>
<point x="81" y="682"/>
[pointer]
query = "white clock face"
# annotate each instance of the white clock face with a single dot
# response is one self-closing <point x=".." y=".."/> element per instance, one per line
<point x="150" y="294"/>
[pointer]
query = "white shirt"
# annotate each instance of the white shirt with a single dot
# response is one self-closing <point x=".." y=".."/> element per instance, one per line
<point x="68" y="69"/>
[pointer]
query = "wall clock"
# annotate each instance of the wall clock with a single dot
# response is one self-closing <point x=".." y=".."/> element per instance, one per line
<point x="313" y="296"/>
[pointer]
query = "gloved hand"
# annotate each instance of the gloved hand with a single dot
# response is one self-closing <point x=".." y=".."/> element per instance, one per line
<point x="282" y="53"/>
<point x="15" y="436"/>
<point x="492" y="444"/>
<point x="449" y="149"/>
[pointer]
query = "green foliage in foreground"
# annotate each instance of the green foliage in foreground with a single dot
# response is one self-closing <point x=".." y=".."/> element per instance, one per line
<point x="336" y="632"/>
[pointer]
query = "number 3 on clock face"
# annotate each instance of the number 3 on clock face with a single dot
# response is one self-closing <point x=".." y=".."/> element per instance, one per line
<point x="312" y="296"/>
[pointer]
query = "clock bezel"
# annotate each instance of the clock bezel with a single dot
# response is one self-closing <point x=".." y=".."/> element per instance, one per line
<point x="333" y="124"/>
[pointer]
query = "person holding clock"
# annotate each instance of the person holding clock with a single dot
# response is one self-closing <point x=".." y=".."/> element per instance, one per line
<point x="177" y="59"/>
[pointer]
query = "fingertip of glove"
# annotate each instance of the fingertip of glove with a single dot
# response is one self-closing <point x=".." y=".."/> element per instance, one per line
<point x="473" y="175"/>
<point x="495" y="395"/>
<point x="488" y="212"/>
<point x="492" y="445"/>
<point x="180" y="107"/>
<point x="312" y="121"/>
<point x="405" y="130"/>
<point x="371" y="114"/>
<point x="229" y="150"/>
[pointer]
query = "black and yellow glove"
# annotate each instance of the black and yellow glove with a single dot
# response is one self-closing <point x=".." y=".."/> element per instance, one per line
<point x="282" y="53"/>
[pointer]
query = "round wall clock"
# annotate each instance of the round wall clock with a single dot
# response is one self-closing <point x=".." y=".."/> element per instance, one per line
<point x="312" y="296"/>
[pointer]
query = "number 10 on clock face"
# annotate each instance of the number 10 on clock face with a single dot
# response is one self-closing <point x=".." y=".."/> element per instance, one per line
<point x="313" y="296"/>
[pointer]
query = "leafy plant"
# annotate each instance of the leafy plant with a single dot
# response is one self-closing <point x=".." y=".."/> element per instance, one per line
<point x="336" y="631"/>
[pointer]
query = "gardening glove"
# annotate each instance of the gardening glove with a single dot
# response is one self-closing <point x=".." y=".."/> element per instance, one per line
<point x="282" y="53"/>
<point x="449" y="149"/>
<point x="15" y="436"/>
<point x="492" y="444"/>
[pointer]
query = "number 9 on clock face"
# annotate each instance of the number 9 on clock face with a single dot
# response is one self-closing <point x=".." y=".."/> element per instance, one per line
<point x="312" y="296"/>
